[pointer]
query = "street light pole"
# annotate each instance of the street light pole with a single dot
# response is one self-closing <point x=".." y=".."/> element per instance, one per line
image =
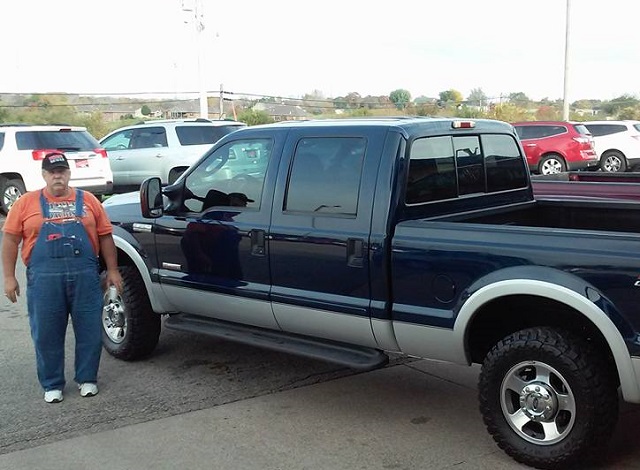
<point x="204" y="105"/>
<point x="565" y="100"/>
<point x="196" y="12"/>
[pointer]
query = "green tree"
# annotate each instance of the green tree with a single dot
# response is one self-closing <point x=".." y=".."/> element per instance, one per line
<point x="400" y="98"/>
<point x="252" y="117"/>
<point x="477" y="97"/>
<point x="615" y="105"/>
<point x="145" y="110"/>
<point x="95" y="124"/>
<point x="450" y="96"/>
<point x="630" y="112"/>
<point x="520" y="99"/>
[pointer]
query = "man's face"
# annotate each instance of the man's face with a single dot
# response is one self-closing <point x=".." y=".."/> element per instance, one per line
<point x="57" y="179"/>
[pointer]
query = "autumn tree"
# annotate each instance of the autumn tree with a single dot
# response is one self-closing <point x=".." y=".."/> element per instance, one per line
<point x="400" y="98"/>
<point x="450" y="96"/>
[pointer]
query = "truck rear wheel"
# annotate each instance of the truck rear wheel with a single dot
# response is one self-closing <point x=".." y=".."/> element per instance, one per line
<point x="548" y="398"/>
<point x="130" y="328"/>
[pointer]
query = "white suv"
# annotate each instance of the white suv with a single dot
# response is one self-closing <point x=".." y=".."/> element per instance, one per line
<point x="23" y="146"/>
<point x="164" y="148"/>
<point x="617" y="144"/>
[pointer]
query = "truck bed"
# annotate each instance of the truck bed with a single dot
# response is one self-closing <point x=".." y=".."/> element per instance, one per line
<point x="598" y="215"/>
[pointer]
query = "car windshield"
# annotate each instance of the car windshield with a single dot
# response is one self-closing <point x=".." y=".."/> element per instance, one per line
<point x="637" y="127"/>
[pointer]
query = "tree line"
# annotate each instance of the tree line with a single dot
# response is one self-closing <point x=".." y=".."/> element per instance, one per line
<point x="85" y="111"/>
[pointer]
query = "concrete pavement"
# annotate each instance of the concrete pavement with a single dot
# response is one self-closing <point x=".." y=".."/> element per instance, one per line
<point x="420" y="415"/>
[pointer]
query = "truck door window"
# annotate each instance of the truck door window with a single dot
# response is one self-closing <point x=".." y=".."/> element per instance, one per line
<point x="233" y="175"/>
<point x="446" y="167"/>
<point x="325" y="175"/>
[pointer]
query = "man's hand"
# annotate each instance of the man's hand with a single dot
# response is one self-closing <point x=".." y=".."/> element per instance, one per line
<point x="114" y="279"/>
<point x="11" y="289"/>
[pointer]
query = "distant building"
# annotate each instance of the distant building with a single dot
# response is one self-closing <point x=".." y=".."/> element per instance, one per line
<point x="282" y="112"/>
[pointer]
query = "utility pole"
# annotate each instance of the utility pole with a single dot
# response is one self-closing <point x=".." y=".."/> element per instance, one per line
<point x="221" y="115"/>
<point x="197" y="16"/>
<point x="565" y="99"/>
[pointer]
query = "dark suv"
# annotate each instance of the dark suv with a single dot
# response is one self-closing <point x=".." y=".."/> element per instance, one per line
<point x="557" y="146"/>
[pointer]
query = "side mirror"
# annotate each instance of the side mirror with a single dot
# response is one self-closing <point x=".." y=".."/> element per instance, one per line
<point x="151" y="198"/>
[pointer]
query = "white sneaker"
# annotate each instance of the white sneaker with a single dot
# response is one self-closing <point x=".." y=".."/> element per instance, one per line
<point x="53" y="396"/>
<point x="88" y="389"/>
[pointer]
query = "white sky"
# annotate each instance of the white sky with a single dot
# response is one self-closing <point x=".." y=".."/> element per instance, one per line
<point x="292" y="47"/>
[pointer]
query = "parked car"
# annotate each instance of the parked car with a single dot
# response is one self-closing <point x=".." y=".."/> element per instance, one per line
<point x="163" y="148"/>
<point x="617" y="144"/>
<point x="557" y="146"/>
<point x="23" y="146"/>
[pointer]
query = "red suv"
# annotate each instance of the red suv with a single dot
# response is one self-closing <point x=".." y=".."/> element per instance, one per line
<point x="557" y="146"/>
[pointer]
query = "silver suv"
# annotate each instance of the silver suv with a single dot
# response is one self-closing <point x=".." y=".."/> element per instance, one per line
<point x="164" y="148"/>
<point x="23" y="146"/>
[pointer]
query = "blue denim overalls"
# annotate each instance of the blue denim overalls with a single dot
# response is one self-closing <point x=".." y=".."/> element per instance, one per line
<point x="63" y="279"/>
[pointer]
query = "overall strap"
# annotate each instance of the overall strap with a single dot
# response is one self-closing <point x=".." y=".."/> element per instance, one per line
<point x="79" y="202"/>
<point x="44" y="207"/>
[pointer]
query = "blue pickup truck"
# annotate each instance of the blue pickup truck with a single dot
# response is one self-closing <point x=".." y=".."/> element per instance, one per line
<point x="346" y="240"/>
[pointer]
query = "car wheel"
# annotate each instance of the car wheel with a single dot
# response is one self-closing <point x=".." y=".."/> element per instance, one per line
<point x="613" y="162"/>
<point x="548" y="397"/>
<point x="551" y="164"/>
<point x="10" y="191"/>
<point x="130" y="327"/>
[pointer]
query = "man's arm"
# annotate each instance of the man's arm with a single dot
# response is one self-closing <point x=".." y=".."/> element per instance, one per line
<point x="109" y="254"/>
<point x="10" y="245"/>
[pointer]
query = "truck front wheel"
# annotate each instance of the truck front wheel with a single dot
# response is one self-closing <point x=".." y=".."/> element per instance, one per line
<point x="547" y="397"/>
<point x="130" y="328"/>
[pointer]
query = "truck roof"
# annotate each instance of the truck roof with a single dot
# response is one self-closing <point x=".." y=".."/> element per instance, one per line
<point x="410" y="124"/>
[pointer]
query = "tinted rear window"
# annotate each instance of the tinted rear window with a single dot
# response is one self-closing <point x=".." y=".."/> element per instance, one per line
<point x="61" y="140"/>
<point x="539" y="131"/>
<point x="598" y="130"/>
<point x="198" y="135"/>
<point x="446" y="167"/>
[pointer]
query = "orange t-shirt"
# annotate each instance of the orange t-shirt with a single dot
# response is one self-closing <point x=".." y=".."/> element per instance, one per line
<point x="25" y="218"/>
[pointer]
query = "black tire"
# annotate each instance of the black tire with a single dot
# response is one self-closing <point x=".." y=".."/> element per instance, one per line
<point x="10" y="191"/>
<point x="551" y="164"/>
<point x="548" y="398"/>
<point x="613" y="162"/>
<point x="130" y="328"/>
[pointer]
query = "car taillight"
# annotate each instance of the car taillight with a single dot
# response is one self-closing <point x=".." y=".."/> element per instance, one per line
<point x="39" y="154"/>
<point x="582" y="140"/>
<point x="102" y="152"/>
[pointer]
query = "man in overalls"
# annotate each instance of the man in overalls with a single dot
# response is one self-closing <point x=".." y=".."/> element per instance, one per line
<point x="62" y="230"/>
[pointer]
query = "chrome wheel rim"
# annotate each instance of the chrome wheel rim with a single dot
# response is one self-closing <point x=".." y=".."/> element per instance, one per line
<point x="114" y="320"/>
<point x="11" y="195"/>
<point x="550" y="167"/>
<point x="612" y="164"/>
<point x="538" y="403"/>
